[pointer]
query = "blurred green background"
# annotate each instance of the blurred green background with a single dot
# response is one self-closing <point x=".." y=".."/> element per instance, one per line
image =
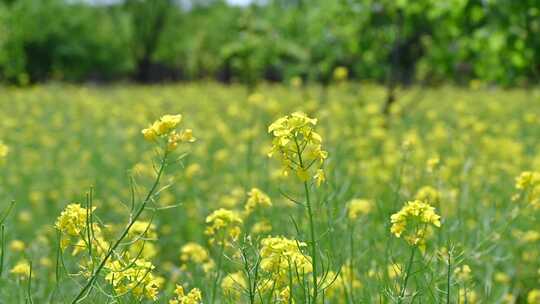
<point x="427" y="41"/>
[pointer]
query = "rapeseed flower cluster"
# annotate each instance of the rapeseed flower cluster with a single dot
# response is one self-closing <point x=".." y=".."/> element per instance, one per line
<point x="125" y="274"/>
<point x="234" y="284"/>
<point x="459" y="160"/>
<point x="223" y="226"/>
<point x="135" y="276"/>
<point x="358" y="207"/>
<point x="282" y="258"/>
<point x="298" y="146"/>
<point x="529" y="183"/>
<point x="3" y="150"/>
<point x="21" y="269"/>
<point x="73" y="220"/>
<point x="194" y="296"/>
<point x="196" y="254"/>
<point x="413" y="221"/>
<point x="256" y="198"/>
<point x="165" y="128"/>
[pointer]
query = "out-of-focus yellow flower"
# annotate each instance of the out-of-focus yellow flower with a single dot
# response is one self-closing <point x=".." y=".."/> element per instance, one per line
<point x="463" y="273"/>
<point x="4" y="150"/>
<point x="468" y="296"/>
<point x="428" y="194"/>
<point x="223" y="225"/>
<point x="433" y="163"/>
<point x="175" y="138"/>
<point x="257" y="198"/>
<point x="529" y="183"/>
<point x="22" y="269"/>
<point x="395" y="270"/>
<point x="533" y="297"/>
<point x="527" y="179"/>
<point x="234" y="284"/>
<point x="358" y="207"/>
<point x="17" y="245"/>
<point x="194" y="296"/>
<point x="197" y="254"/>
<point x="319" y="177"/>
<point x="501" y="277"/>
<point x="261" y="227"/>
<point x="341" y="73"/>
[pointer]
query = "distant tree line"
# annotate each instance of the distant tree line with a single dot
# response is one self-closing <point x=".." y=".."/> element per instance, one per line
<point x="391" y="41"/>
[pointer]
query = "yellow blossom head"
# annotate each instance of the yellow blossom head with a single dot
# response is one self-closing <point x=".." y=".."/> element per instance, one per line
<point x="298" y="146"/>
<point x="223" y="225"/>
<point x="413" y="221"/>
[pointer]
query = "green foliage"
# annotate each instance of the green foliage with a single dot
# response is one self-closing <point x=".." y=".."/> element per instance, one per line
<point x="421" y="40"/>
<point x="51" y="39"/>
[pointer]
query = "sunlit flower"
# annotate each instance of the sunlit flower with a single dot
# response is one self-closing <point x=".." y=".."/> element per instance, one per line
<point x="358" y="207"/>
<point x="196" y="254"/>
<point x="298" y="146"/>
<point x="22" y="269"/>
<point x="415" y="216"/>
<point x="223" y="225"/>
<point x="279" y="255"/>
<point x="73" y="219"/>
<point x="234" y="284"/>
<point x="3" y="150"/>
<point x="257" y="198"/>
<point x="194" y="296"/>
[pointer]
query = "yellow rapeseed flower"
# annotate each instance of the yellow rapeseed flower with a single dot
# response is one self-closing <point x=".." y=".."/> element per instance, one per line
<point x="417" y="215"/>
<point x="22" y="269"/>
<point x="279" y="255"/>
<point x="298" y="146"/>
<point x="358" y="207"/>
<point x="165" y="127"/>
<point x="72" y="220"/>
<point x="257" y="198"/>
<point x="533" y="297"/>
<point x="196" y="254"/>
<point x="4" y="150"/>
<point x="194" y="296"/>
<point x="223" y="225"/>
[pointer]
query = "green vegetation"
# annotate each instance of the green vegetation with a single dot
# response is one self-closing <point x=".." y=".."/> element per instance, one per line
<point x="403" y="41"/>
<point x="436" y="202"/>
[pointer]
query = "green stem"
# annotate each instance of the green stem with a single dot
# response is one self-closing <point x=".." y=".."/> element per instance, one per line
<point x="3" y="248"/>
<point x="448" y="280"/>
<point x="218" y="270"/>
<point x="311" y="225"/>
<point x="313" y="244"/>
<point x="351" y="262"/>
<point x="407" y="275"/>
<point x="132" y="221"/>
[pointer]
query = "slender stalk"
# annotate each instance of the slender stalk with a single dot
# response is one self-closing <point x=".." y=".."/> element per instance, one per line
<point x="3" y="248"/>
<point x="448" y="279"/>
<point x="218" y="270"/>
<point x="29" y="287"/>
<point x="313" y="243"/>
<point x="351" y="262"/>
<point x="407" y="275"/>
<point x="311" y="227"/>
<point x="132" y="221"/>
